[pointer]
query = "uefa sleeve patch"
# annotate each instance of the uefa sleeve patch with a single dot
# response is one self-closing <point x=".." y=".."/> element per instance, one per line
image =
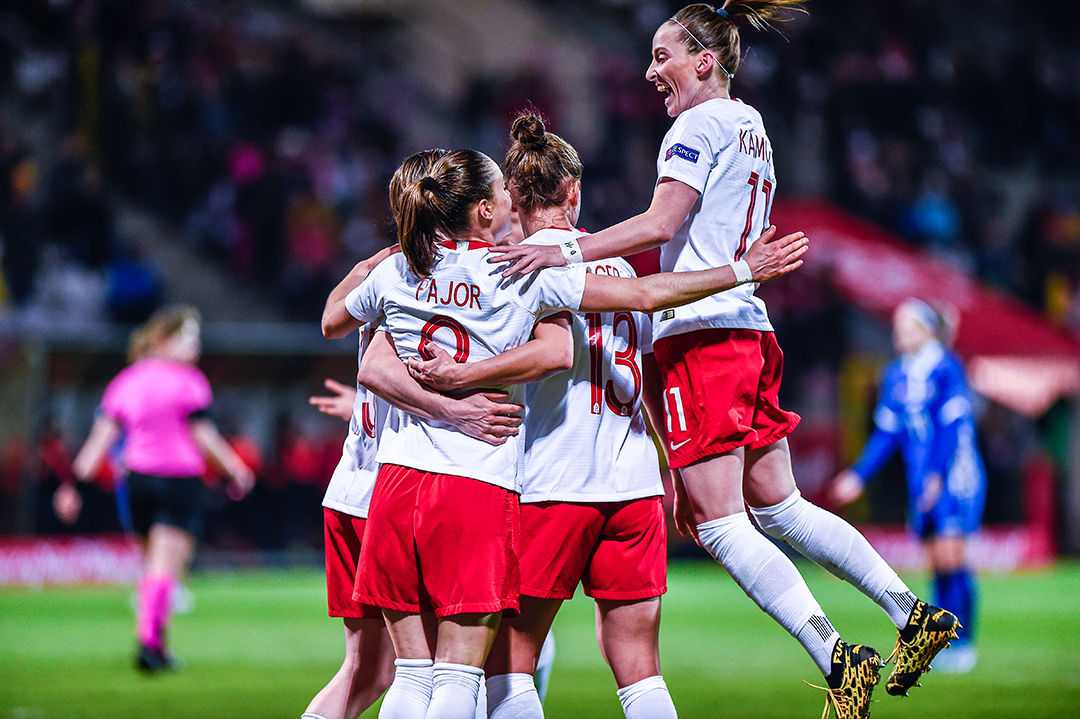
<point x="680" y="150"/>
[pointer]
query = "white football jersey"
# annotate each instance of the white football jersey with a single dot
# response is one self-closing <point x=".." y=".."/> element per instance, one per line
<point x="586" y="439"/>
<point x="720" y="149"/>
<point x="353" y="479"/>
<point x="468" y="309"/>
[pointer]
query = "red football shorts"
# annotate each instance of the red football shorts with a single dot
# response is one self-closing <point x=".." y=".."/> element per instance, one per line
<point x="439" y="542"/>
<point x="617" y="550"/>
<point x="721" y="391"/>
<point x="344" y="534"/>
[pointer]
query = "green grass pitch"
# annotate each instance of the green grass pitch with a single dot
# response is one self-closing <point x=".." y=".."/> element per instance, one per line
<point x="259" y="645"/>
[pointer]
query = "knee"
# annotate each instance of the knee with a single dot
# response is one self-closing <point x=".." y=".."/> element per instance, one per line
<point x="383" y="676"/>
<point x="782" y="520"/>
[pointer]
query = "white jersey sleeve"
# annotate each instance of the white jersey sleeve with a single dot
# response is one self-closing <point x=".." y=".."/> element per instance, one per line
<point x="349" y="490"/>
<point x="364" y="302"/>
<point x="586" y="439"/>
<point x="468" y="309"/>
<point x="720" y="149"/>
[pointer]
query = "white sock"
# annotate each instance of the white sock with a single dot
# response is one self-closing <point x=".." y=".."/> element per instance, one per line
<point x="840" y="548"/>
<point x="544" y="663"/>
<point x="454" y="691"/>
<point x="309" y="715"/>
<point x="647" y="699"/>
<point x="513" y="696"/>
<point x="772" y="581"/>
<point x="410" y="693"/>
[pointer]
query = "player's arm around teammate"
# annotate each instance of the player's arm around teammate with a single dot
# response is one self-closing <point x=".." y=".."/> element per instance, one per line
<point x="551" y="350"/>
<point x="488" y="416"/>
<point x="336" y="320"/>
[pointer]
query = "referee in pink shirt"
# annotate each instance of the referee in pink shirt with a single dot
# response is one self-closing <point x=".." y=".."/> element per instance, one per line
<point x="159" y="405"/>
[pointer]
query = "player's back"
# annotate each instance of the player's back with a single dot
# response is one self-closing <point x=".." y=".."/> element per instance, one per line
<point x="586" y="438"/>
<point x="469" y="310"/>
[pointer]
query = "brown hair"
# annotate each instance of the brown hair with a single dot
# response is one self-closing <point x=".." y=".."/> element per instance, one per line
<point x="411" y="169"/>
<point x="439" y="205"/>
<point x="162" y="325"/>
<point x="717" y="31"/>
<point x="539" y="165"/>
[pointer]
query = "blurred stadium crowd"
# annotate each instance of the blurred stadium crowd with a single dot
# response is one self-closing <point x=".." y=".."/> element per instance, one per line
<point x="264" y="134"/>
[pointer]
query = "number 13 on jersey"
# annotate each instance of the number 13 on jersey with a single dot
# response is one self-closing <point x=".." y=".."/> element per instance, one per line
<point x="605" y="393"/>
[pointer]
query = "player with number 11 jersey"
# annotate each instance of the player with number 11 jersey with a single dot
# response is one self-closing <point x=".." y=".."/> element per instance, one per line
<point x="719" y="145"/>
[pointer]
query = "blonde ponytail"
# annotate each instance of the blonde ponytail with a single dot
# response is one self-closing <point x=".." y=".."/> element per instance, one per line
<point x="713" y="28"/>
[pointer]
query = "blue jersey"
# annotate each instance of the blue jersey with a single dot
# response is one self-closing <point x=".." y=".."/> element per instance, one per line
<point x="925" y="410"/>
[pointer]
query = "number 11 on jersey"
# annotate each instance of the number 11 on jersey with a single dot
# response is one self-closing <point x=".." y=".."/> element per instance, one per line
<point x="766" y="189"/>
<point x="674" y="402"/>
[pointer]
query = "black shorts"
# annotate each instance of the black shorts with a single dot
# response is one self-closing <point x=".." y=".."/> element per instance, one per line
<point x="179" y="502"/>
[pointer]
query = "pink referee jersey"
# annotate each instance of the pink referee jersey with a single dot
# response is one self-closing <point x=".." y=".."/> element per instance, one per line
<point x="153" y="401"/>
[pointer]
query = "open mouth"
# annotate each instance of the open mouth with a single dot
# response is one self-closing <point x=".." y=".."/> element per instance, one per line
<point x="663" y="90"/>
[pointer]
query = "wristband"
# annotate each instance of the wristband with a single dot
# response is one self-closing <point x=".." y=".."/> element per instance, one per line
<point x="571" y="251"/>
<point x="742" y="272"/>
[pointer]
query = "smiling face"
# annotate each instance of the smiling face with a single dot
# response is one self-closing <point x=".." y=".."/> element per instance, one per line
<point x="674" y="69"/>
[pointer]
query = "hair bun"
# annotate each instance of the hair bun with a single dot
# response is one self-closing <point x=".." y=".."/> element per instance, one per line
<point x="429" y="183"/>
<point x="528" y="130"/>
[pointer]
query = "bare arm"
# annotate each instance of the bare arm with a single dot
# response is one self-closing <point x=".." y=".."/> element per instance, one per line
<point x="551" y="350"/>
<point x="652" y="397"/>
<point x="217" y="450"/>
<point x="483" y="415"/>
<point x="671" y="203"/>
<point x="336" y="320"/>
<point x="103" y="434"/>
<point x="772" y="259"/>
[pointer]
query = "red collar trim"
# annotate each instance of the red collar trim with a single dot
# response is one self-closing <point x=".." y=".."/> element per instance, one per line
<point x="473" y="244"/>
<point x="567" y="229"/>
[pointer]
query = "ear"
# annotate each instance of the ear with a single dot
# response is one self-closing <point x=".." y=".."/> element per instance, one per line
<point x="574" y="194"/>
<point x="705" y="63"/>
<point x="484" y="210"/>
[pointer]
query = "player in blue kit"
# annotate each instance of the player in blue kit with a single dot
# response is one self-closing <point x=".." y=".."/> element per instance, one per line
<point x="925" y="410"/>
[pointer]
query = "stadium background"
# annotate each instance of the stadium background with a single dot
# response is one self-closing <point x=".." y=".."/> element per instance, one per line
<point x="235" y="155"/>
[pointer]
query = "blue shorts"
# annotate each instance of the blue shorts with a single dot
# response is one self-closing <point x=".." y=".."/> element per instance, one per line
<point x="950" y="517"/>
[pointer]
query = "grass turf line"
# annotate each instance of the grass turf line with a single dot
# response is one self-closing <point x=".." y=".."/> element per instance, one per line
<point x="259" y="645"/>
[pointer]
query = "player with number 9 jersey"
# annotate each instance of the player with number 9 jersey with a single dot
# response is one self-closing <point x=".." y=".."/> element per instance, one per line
<point x="473" y="314"/>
